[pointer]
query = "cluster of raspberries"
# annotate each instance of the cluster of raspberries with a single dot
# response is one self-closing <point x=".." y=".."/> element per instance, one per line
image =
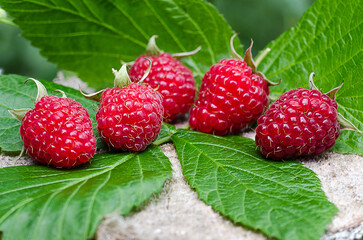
<point x="157" y="88"/>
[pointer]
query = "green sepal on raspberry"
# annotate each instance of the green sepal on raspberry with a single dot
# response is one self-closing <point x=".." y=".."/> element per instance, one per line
<point x="232" y="96"/>
<point x="173" y="80"/>
<point x="153" y="50"/>
<point x="130" y="114"/>
<point x="250" y="62"/>
<point x="301" y="122"/>
<point x="344" y="123"/>
<point x="42" y="92"/>
<point x="57" y="132"/>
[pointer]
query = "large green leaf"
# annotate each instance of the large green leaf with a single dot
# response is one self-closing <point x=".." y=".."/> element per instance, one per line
<point x="282" y="199"/>
<point x="37" y="202"/>
<point x="15" y="94"/>
<point x="91" y="37"/>
<point x="328" y="41"/>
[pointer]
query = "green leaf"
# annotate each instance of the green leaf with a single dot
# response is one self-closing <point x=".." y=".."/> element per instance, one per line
<point x="79" y="35"/>
<point x="349" y="142"/>
<point x="15" y="94"/>
<point x="166" y="131"/>
<point x="327" y="41"/>
<point x="282" y="199"/>
<point x="37" y="202"/>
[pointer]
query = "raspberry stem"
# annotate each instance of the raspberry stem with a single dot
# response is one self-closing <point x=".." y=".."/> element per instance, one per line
<point x="163" y="140"/>
<point x="249" y="59"/>
<point x="234" y="53"/>
<point x="152" y="49"/>
<point x="346" y="124"/>
<point x="18" y="114"/>
<point x="42" y="91"/>
<point x="312" y="85"/>
<point x="186" y="54"/>
<point x="333" y="93"/>
<point x="61" y="92"/>
<point x="93" y="96"/>
<point x="147" y="71"/>
<point x="122" y="78"/>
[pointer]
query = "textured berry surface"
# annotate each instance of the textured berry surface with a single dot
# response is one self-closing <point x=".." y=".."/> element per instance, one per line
<point x="230" y="98"/>
<point x="130" y="118"/>
<point x="300" y="123"/>
<point x="58" y="132"/>
<point x="171" y="79"/>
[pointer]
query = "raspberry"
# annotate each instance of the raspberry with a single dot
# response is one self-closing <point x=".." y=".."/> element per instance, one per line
<point x="58" y="132"/>
<point x="232" y="96"/>
<point x="169" y="77"/>
<point x="130" y="118"/>
<point x="130" y="114"/>
<point x="300" y="123"/>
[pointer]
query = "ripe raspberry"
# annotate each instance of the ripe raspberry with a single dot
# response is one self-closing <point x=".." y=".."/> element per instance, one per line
<point x="130" y="118"/>
<point x="58" y="132"/>
<point x="300" y="123"/>
<point x="232" y="95"/>
<point x="169" y="77"/>
<point x="130" y="114"/>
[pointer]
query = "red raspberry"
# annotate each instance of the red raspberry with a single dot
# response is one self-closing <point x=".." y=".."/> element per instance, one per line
<point x="58" y="132"/>
<point x="230" y="98"/>
<point x="300" y="123"/>
<point x="171" y="79"/>
<point x="233" y="94"/>
<point x="130" y="114"/>
<point x="130" y="118"/>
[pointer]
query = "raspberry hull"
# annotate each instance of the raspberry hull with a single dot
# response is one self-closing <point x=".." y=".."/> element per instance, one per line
<point x="171" y="79"/>
<point x="130" y="118"/>
<point x="58" y="132"/>
<point x="300" y="123"/>
<point x="230" y="98"/>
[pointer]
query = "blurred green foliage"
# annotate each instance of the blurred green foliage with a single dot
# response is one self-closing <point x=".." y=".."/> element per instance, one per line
<point x="261" y="20"/>
<point x="18" y="56"/>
